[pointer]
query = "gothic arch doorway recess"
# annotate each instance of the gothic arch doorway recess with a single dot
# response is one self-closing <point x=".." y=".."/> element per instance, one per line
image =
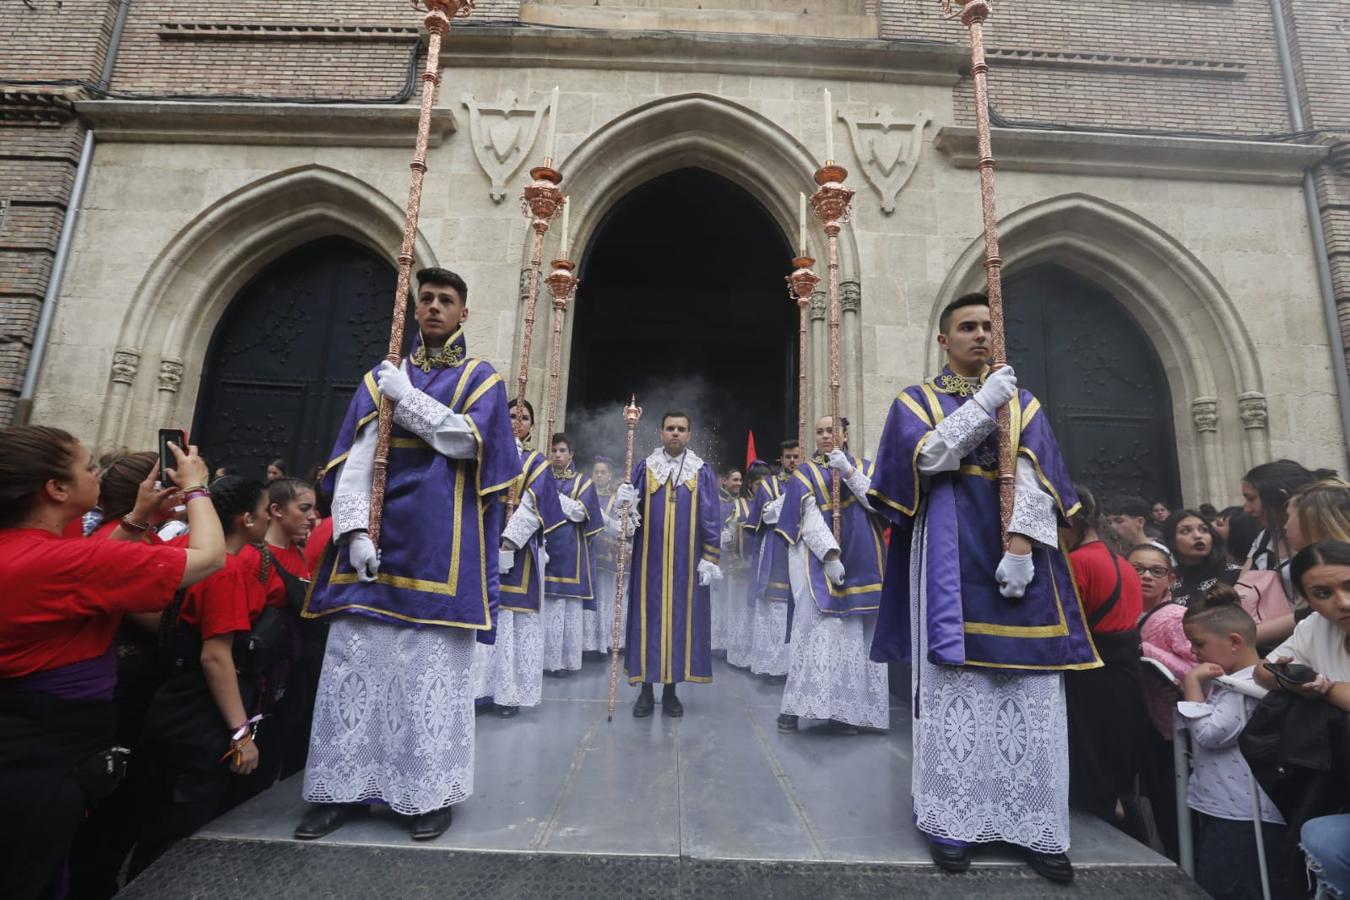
<point x="683" y="302"/>
<point x="287" y="354"/>
<point x="1077" y="349"/>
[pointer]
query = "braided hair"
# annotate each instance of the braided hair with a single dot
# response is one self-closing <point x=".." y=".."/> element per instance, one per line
<point x="234" y="495"/>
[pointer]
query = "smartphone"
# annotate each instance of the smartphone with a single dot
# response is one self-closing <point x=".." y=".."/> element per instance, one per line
<point x="1291" y="673"/>
<point x="166" y="457"/>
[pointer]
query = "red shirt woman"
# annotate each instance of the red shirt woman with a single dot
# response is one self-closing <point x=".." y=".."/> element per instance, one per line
<point x="61" y="604"/>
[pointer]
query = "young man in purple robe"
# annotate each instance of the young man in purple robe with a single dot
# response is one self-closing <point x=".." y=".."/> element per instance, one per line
<point x="394" y="718"/>
<point x="515" y="675"/>
<point x="676" y="550"/>
<point x="836" y="587"/>
<point x="769" y="604"/>
<point x="568" y="580"/>
<point x="989" y="630"/>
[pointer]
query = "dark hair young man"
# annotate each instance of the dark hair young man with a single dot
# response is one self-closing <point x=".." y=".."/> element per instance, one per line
<point x="1127" y="515"/>
<point x="396" y="616"/>
<point x="568" y="578"/>
<point x="989" y="631"/>
<point x="669" y="630"/>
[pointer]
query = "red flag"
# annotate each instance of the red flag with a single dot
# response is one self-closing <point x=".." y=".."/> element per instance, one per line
<point x="750" y="455"/>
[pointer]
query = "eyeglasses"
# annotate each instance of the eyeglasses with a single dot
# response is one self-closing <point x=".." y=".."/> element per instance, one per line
<point x="1155" y="571"/>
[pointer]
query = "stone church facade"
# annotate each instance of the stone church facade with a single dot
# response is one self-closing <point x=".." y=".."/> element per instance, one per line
<point x="1145" y="147"/>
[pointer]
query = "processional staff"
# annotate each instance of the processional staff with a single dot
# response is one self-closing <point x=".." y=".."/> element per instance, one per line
<point x="830" y="204"/>
<point x="973" y="15"/>
<point x="801" y="285"/>
<point x="631" y="413"/>
<point x="439" y="14"/>
<point x="562" y="284"/>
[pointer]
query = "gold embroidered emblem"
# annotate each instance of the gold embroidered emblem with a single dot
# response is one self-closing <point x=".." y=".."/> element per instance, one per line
<point x="449" y="356"/>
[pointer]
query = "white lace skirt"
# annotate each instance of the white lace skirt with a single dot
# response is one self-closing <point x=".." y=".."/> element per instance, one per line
<point x="516" y="677"/>
<point x="991" y="749"/>
<point x="604" y="615"/>
<point x="394" y="717"/>
<point x="563" y="633"/>
<point x="717" y="606"/>
<point x="769" y="647"/>
<point x="740" y="623"/>
<point x="480" y="673"/>
<point x="829" y="673"/>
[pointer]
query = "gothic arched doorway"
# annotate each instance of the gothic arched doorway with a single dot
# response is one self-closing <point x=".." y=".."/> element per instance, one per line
<point x="682" y="301"/>
<point x="1077" y="349"/>
<point x="288" y="353"/>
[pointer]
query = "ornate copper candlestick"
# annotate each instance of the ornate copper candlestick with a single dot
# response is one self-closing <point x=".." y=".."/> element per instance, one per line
<point x="973" y="15"/>
<point x="801" y="285"/>
<point x="830" y="204"/>
<point x="631" y="413"/>
<point x="439" y="14"/>
<point x="562" y="283"/>
<point x="540" y="201"/>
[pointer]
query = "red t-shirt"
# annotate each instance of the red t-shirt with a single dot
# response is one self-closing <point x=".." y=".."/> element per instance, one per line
<point x="291" y="558"/>
<point x="1095" y="573"/>
<point x="104" y="532"/>
<point x="318" y="542"/>
<point x="62" y="600"/>
<point x="230" y="600"/>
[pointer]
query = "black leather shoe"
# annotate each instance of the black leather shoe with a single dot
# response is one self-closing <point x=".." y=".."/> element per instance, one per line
<point x="1054" y="866"/>
<point x="842" y="727"/>
<point x="949" y="858"/>
<point x="431" y="825"/>
<point x="325" y="818"/>
<point x="670" y="704"/>
<point x="506" y="712"/>
<point x="787" y="723"/>
<point x="775" y="679"/>
<point x="645" y="703"/>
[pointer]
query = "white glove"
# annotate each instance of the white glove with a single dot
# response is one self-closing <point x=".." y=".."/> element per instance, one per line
<point x="392" y="382"/>
<point x="626" y="493"/>
<point x="574" y="510"/>
<point x="1014" y="573"/>
<point x="361" y="553"/>
<point x="506" y="561"/>
<point x="708" y="573"/>
<point x="839" y="460"/>
<point x="772" y="511"/>
<point x="998" y="389"/>
<point x="834" y="570"/>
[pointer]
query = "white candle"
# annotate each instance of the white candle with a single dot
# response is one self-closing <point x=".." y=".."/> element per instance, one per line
<point x="801" y="224"/>
<point x="566" y="229"/>
<point x="829" y="128"/>
<point x="552" y="143"/>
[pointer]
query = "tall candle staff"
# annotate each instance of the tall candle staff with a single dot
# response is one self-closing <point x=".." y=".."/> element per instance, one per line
<point x="631" y="413"/>
<point x="801" y="285"/>
<point x="562" y="283"/>
<point x="973" y="15"/>
<point x="439" y="14"/>
<point x="830" y="203"/>
<point x="540" y="202"/>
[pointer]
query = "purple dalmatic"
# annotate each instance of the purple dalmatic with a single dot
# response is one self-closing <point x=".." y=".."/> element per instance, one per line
<point x="669" y="618"/>
<point x="442" y="516"/>
<point x="969" y="623"/>
<point x="520" y="590"/>
<point x="770" y="579"/>
<point x="568" y="573"/>
<point x="862" y="548"/>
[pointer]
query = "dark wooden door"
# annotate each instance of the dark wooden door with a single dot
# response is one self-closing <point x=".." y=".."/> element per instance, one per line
<point x="288" y="353"/>
<point x="1093" y="368"/>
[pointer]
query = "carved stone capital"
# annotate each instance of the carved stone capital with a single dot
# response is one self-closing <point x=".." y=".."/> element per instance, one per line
<point x="125" y="362"/>
<point x="850" y="296"/>
<point x="1252" y="409"/>
<point x="1205" y="414"/>
<point x="820" y="304"/>
<point x="170" y="375"/>
<point x="524" y="283"/>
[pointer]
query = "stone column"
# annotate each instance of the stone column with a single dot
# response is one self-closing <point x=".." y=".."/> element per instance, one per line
<point x="850" y="355"/>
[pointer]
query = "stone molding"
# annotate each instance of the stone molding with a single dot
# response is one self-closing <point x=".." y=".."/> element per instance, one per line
<point x="1143" y="156"/>
<point x="896" y="62"/>
<point x="124" y="365"/>
<point x="1205" y="414"/>
<point x="1153" y="64"/>
<point x="707" y="17"/>
<point x="320" y="125"/>
<point x="259" y="31"/>
<point x="1252" y="409"/>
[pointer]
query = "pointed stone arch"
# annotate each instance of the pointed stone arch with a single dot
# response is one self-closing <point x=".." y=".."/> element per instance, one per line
<point x="182" y="297"/>
<point x="709" y="132"/>
<point x="1176" y="300"/>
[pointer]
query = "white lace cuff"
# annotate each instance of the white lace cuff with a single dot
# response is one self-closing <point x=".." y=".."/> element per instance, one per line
<point x="351" y="512"/>
<point x="448" y="433"/>
<point x="963" y="430"/>
<point x="816" y="532"/>
<point x="1034" y="516"/>
<point x="859" y="484"/>
<point x="523" y="524"/>
<point x="574" y="510"/>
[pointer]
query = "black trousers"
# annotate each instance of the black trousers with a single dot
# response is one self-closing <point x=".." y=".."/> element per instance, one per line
<point x="1107" y="722"/>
